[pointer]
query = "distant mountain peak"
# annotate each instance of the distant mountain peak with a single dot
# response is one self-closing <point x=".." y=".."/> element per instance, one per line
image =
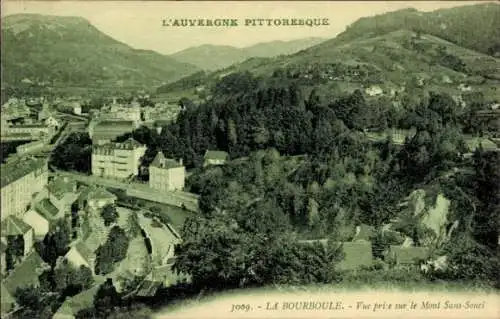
<point x="212" y="57"/>
<point x="66" y="50"/>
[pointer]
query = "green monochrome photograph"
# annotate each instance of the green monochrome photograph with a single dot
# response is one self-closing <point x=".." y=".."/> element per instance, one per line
<point x="250" y="159"/>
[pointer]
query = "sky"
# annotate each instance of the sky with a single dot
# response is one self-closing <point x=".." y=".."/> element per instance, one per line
<point x="139" y="23"/>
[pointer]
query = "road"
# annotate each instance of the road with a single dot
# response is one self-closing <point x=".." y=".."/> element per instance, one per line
<point x="185" y="200"/>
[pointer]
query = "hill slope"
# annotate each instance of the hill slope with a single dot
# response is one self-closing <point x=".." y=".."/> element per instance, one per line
<point x="70" y="51"/>
<point x="476" y="27"/>
<point x="393" y="61"/>
<point x="213" y="57"/>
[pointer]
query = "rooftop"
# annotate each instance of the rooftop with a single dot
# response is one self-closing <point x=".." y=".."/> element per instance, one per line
<point x="84" y="251"/>
<point x="26" y="273"/>
<point x="28" y="126"/>
<point x="161" y="161"/>
<point x="72" y="305"/>
<point x="13" y="226"/>
<point x="94" y="192"/>
<point x="129" y="144"/>
<point x="3" y="247"/>
<point x="408" y="255"/>
<point x="60" y="186"/>
<point x="46" y="208"/>
<point x="216" y="155"/>
<point x="356" y="254"/>
<point x="116" y="123"/>
<point x="12" y="171"/>
<point x="5" y="296"/>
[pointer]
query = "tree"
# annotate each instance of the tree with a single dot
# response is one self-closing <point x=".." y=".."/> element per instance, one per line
<point x="109" y="214"/>
<point x="106" y="301"/>
<point x="33" y="303"/>
<point x="73" y="154"/>
<point x="14" y="251"/>
<point x="69" y="280"/>
<point x="112" y="251"/>
<point x="487" y="185"/>
<point x="55" y="243"/>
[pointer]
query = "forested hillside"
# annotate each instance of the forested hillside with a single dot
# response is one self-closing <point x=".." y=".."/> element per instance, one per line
<point x="267" y="198"/>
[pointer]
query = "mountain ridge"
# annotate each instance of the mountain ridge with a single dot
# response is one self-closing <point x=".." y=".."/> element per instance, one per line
<point x="393" y="58"/>
<point x="212" y="57"/>
<point x="62" y="50"/>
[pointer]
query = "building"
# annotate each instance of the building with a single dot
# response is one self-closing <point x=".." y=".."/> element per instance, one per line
<point x="72" y="305"/>
<point x="215" y="158"/>
<point x="26" y="274"/>
<point x="36" y="131"/>
<point x="117" y="160"/>
<point x="81" y="255"/>
<point x="95" y="198"/>
<point x="30" y="147"/>
<point x="374" y="90"/>
<point x="62" y="193"/>
<point x="103" y="132"/>
<point x="52" y="122"/>
<point x="77" y="108"/>
<point x="8" y="301"/>
<point x="40" y="223"/>
<point x="407" y="256"/>
<point x="357" y="254"/>
<point x="3" y="257"/>
<point x="120" y="112"/>
<point x="166" y="174"/>
<point x="489" y="119"/>
<point x="20" y="179"/>
<point x="13" y="227"/>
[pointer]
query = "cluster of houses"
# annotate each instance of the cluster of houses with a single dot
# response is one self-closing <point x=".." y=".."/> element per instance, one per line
<point x="358" y="253"/>
<point x="117" y="119"/>
<point x="34" y="206"/>
<point x="28" y="120"/>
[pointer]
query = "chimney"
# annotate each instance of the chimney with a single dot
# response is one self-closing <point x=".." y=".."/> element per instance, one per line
<point x="180" y="161"/>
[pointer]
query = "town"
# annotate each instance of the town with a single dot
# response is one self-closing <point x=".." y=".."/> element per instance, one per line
<point x="38" y="201"/>
<point x="138" y="178"/>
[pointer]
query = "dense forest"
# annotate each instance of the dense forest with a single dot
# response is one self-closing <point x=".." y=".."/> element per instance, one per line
<point x="303" y="168"/>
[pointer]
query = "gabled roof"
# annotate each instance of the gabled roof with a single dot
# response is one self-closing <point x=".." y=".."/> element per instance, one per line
<point x="26" y="273"/>
<point x="12" y="171"/>
<point x="72" y="305"/>
<point x="3" y="247"/>
<point x="46" y="209"/>
<point x="216" y="155"/>
<point x="161" y="161"/>
<point x="356" y="255"/>
<point x="84" y="251"/>
<point x="6" y="298"/>
<point x="408" y="255"/>
<point x="13" y="226"/>
<point x="93" y="192"/>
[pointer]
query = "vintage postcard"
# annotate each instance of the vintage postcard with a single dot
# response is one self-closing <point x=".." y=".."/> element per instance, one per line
<point x="181" y="159"/>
